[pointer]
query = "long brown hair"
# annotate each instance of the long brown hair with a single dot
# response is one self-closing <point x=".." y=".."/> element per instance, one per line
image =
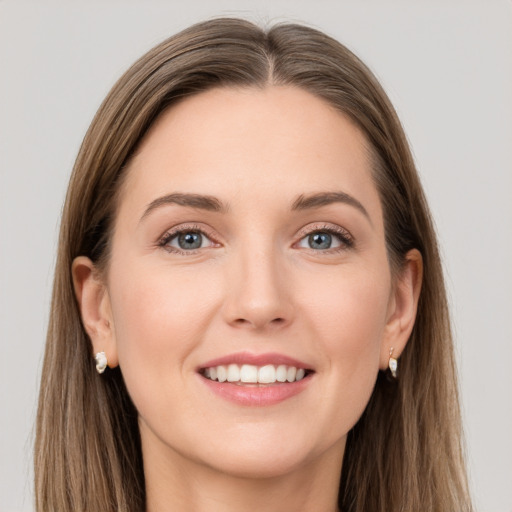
<point x="405" y="452"/>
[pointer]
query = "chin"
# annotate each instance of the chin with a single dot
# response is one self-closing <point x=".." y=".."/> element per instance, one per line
<point x="260" y="454"/>
<point x="257" y="465"/>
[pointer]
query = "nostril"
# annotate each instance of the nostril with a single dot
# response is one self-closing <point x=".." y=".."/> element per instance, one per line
<point x="245" y="321"/>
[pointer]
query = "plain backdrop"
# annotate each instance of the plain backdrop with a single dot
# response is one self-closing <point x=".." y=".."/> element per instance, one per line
<point x="447" y="67"/>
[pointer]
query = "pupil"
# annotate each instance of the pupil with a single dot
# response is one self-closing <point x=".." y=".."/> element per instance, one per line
<point x="189" y="241"/>
<point x="320" y="240"/>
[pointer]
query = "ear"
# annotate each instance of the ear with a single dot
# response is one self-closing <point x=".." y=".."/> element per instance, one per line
<point x="403" y="306"/>
<point x="95" y="309"/>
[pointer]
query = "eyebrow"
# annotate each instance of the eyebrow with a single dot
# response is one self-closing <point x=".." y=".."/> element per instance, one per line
<point x="212" y="204"/>
<point x="326" y="198"/>
<point x="199" y="201"/>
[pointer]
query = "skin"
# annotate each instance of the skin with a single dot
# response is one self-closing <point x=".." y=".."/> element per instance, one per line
<point x="255" y="285"/>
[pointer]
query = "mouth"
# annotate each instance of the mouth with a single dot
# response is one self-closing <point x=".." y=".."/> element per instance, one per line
<point x="256" y="380"/>
<point x="252" y="374"/>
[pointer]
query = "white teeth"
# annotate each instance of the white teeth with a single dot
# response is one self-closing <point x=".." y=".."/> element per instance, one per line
<point x="233" y="373"/>
<point x="248" y="373"/>
<point x="267" y="374"/>
<point x="222" y="373"/>
<point x="290" y="374"/>
<point x="281" y="373"/>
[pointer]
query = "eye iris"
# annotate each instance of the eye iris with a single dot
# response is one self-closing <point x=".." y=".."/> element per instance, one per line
<point x="320" y="240"/>
<point x="190" y="240"/>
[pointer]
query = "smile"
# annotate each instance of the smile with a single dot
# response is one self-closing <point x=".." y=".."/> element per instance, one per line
<point x="256" y="380"/>
<point x="251" y="374"/>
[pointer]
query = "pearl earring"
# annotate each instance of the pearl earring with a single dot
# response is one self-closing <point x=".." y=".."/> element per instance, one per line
<point x="393" y="363"/>
<point x="101" y="362"/>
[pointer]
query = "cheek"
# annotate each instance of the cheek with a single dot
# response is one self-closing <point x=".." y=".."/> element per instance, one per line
<point x="349" y="320"/>
<point x="349" y="309"/>
<point x="154" y="305"/>
<point x="159" y="319"/>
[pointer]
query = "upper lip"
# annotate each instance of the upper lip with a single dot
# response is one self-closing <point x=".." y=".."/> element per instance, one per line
<point x="241" y="358"/>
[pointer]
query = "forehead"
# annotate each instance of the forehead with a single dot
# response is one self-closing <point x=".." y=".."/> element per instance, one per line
<point x="248" y="145"/>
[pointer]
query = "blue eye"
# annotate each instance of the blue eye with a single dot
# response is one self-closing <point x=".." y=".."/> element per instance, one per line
<point x="189" y="240"/>
<point x="327" y="238"/>
<point x="186" y="240"/>
<point x="320" y="241"/>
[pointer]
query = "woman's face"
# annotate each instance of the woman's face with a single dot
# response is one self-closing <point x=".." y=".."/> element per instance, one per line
<point x="249" y="235"/>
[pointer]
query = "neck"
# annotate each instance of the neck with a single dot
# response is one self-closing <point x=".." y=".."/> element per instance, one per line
<point x="174" y="482"/>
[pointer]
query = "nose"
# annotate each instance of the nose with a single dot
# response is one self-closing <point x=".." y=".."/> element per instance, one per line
<point x="258" y="292"/>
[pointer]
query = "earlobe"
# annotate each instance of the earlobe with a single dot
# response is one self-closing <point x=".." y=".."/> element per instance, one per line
<point x="404" y="305"/>
<point x="95" y="309"/>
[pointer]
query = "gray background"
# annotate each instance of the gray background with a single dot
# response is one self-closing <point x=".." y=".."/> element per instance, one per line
<point x="447" y="67"/>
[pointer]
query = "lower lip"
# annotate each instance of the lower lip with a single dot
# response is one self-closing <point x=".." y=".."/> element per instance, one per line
<point x="257" y="394"/>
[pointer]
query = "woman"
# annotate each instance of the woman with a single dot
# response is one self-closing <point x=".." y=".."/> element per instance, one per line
<point x="249" y="310"/>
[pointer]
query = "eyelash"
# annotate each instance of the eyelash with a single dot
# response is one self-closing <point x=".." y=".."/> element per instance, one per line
<point x="343" y="236"/>
<point x="170" y="235"/>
